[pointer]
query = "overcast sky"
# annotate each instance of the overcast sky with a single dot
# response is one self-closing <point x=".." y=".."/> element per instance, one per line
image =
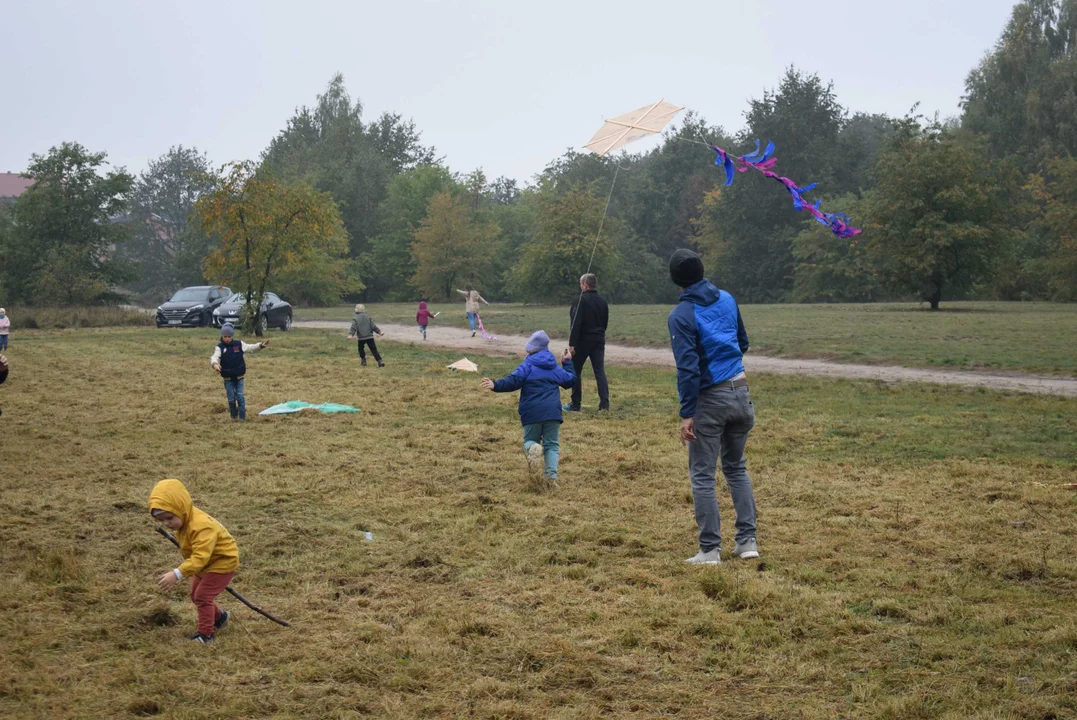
<point x="500" y="85"/>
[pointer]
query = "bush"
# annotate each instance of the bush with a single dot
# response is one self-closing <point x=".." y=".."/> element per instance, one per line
<point x="50" y="318"/>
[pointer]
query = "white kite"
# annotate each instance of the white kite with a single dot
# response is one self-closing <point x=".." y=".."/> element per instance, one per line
<point x="464" y="365"/>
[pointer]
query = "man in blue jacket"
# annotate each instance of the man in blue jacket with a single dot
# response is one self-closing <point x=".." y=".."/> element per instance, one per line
<point x="709" y="342"/>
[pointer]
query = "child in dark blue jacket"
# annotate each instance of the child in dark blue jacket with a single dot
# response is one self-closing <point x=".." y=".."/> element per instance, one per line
<point x="539" y="379"/>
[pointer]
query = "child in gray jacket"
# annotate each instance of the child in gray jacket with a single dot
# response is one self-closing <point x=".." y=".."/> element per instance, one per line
<point x="364" y="328"/>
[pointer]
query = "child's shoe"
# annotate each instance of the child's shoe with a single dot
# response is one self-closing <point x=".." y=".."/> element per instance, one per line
<point x="221" y="620"/>
<point x="534" y="456"/>
<point x="200" y="638"/>
<point x="381" y="364"/>
<point x="363" y="362"/>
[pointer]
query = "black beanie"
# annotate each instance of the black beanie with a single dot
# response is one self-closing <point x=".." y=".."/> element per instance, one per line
<point x="685" y="268"/>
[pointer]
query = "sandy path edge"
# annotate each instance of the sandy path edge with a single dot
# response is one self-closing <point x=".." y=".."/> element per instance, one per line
<point x="457" y="339"/>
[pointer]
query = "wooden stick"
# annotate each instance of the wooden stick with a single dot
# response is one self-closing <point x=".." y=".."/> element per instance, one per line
<point x="171" y="538"/>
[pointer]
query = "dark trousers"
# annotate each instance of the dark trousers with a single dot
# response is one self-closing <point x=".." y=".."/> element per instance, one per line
<point x="373" y="349"/>
<point x="597" y="355"/>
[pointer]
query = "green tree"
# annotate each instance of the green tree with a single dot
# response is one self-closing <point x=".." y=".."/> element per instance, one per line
<point x="450" y="247"/>
<point x="166" y="247"/>
<point x="1023" y="95"/>
<point x="563" y="246"/>
<point x="331" y="148"/>
<point x="747" y="233"/>
<point x="268" y="229"/>
<point x="1060" y="220"/>
<point x="400" y="214"/>
<point x="940" y="216"/>
<point x="834" y="269"/>
<point x="59" y="245"/>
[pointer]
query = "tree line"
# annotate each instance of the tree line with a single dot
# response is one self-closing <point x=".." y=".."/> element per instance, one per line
<point x="981" y="206"/>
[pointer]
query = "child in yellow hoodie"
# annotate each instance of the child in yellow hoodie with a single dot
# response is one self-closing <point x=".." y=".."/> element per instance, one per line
<point x="210" y="554"/>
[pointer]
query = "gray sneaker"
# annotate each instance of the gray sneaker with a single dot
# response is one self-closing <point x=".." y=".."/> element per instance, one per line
<point x="746" y="550"/>
<point x="712" y="557"/>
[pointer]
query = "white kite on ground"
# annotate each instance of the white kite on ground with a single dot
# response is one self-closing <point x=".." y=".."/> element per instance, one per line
<point x="464" y="365"/>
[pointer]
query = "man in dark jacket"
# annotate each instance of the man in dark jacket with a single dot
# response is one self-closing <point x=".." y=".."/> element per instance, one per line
<point x="709" y="342"/>
<point x="589" y="316"/>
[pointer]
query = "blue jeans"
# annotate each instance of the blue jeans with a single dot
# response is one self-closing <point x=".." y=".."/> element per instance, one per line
<point x="3" y="342"/>
<point x="549" y="434"/>
<point x="724" y="417"/>
<point x="471" y="320"/>
<point x="237" y="403"/>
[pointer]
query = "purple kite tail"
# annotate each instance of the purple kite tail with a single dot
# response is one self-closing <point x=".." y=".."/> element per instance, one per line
<point x="764" y="162"/>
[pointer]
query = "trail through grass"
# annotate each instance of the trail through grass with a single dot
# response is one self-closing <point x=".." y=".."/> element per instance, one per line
<point x="917" y="546"/>
<point x="1023" y="337"/>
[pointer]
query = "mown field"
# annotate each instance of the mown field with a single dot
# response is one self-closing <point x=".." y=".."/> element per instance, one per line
<point x="1020" y="337"/>
<point x="918" y="546"/>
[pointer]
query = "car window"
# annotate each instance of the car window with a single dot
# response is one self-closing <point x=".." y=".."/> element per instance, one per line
<point x="189" y="295"/>
<point x="214" y="294"/>
<point x="273" y="298"/>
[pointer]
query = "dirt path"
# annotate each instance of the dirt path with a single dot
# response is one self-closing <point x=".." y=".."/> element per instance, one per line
<point x="455" y="338"/>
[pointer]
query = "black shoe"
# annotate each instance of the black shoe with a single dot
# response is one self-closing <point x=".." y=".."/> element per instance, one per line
<point x="363" y="362"/>
<point x="603" y="408"/>
<point x="221" y="621"/>
<point x="381" y="364"/>
<point x="569" y="407"/>
<point x="199" y="637"/>
<point x="472" y="333"/>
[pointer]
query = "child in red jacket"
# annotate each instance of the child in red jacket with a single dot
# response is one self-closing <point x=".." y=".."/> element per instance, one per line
<point x="423" y="317"/>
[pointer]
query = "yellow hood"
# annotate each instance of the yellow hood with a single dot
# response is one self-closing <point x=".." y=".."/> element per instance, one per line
<point x="171" y="496"/>
<point x="205" y="544"/>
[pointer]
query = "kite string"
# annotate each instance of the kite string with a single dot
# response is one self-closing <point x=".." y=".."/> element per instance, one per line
<point x="598" y="238"/>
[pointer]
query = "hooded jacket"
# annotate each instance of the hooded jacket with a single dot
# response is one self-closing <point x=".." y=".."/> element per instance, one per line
<point x="538" y="378"/>
<point x="424" y="315"/>
<point x="363" y="327"/>
<point x="206" y="546"/>
<point x="708" y="339"/>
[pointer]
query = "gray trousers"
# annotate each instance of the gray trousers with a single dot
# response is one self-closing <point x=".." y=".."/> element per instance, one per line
<point x="724" y="417"/>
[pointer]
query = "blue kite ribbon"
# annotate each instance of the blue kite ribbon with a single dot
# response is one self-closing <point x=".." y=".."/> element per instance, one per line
<point x="764" y="162"/>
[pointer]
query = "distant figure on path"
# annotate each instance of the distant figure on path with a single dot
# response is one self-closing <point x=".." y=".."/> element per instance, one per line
<point x="5" y="328"/>
<point x="590" y="315"/>
<point x="423" y="317"/>
<point x="472" y="300"/>
<point x="709" y="342"/>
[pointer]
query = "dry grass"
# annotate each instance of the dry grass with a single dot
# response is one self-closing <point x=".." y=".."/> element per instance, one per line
<point x="918" y="552"/>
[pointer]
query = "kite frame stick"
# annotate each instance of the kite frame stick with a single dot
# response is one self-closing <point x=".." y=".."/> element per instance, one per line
<point x="172" y="539"/>
<point x="627" y="129"/>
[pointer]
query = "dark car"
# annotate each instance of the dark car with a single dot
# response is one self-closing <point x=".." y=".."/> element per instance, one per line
<point x="192" y="306"/>
<point x="274" y="313"/>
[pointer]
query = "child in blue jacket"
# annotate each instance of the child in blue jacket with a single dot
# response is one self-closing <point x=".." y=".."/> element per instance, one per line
<point x="539" y="379"/>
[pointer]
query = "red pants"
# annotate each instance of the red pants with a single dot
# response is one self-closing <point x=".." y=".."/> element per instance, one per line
<point x="204" y="592"/>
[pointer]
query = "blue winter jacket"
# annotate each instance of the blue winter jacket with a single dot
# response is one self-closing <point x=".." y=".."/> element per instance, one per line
<point x="709" y="341"/>
<point x="538" y="379"/>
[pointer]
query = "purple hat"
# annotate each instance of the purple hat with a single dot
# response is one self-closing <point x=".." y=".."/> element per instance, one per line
<point x="538" y="341"/>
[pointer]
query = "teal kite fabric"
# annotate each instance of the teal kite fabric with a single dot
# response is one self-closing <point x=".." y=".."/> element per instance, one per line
<point x="294" y="406"/>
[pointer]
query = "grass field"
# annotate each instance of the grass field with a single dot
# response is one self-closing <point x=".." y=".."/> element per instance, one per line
<point x="1023" y="337"/>
<point x="918" y="547"/>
